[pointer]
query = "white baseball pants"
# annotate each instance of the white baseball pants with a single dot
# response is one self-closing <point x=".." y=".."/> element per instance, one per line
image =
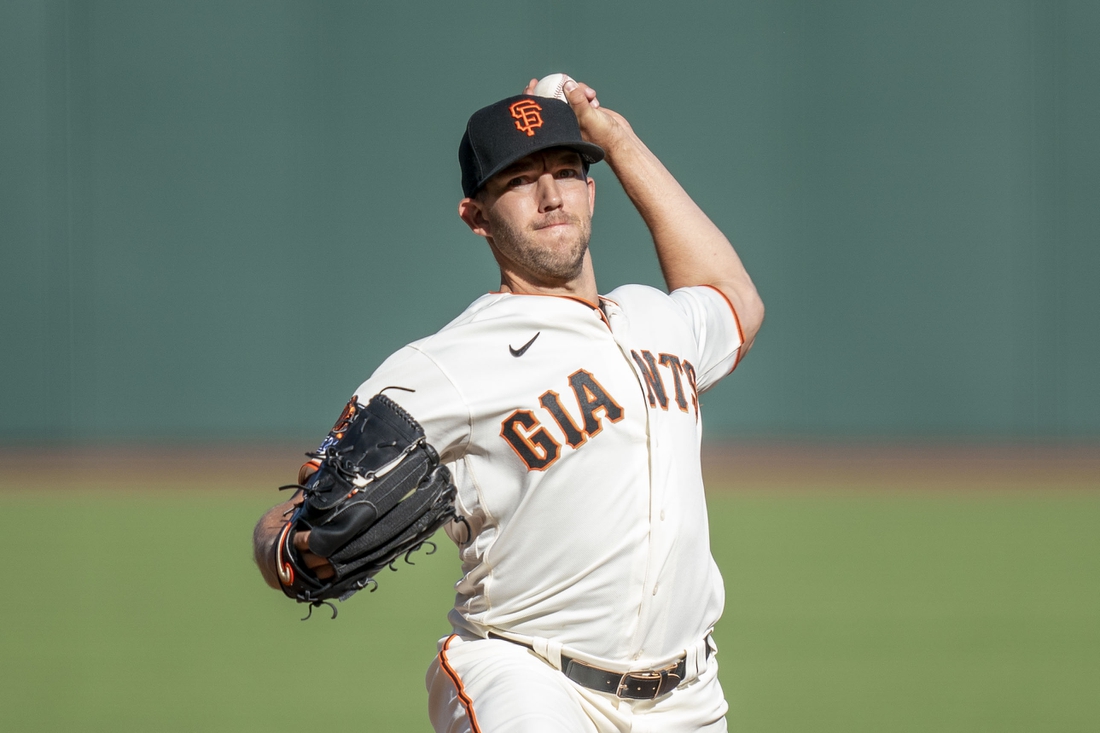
<point x="495" y="686"/>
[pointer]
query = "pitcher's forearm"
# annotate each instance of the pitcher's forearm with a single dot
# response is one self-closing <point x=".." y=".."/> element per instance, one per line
<point x="691" y="249"/>
<point x="264" y="537"/>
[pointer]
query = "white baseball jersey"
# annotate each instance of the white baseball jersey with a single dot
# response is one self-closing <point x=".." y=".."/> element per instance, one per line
<point x="573" y="435"/>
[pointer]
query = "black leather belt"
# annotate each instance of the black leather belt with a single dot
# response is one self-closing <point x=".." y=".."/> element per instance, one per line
<point x="643" y="685"/>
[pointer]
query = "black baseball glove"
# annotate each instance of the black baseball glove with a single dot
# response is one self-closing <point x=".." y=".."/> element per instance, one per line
<point x="379" y="493"/>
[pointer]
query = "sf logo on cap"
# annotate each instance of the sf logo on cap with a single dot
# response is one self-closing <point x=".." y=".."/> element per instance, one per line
<point x="527" y="113"/>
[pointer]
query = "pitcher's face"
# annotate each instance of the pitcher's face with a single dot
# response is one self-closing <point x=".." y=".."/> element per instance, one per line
<point x="537" y="216"/>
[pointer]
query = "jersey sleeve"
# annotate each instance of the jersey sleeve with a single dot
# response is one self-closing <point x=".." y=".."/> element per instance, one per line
<point x="413" y="380"/>
<point x="717" y="331"/>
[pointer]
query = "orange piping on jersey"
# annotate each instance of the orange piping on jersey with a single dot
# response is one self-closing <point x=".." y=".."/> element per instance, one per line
<point x="737" y="320"/>
<point x="596" y="308"/>
<point x="603" y="316"/>
<point x="462" y="696"/>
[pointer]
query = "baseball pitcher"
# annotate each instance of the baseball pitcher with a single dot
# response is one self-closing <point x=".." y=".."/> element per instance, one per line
<point x="554" y="434"/>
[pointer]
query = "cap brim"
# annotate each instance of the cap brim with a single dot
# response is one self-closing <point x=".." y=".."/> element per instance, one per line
<point x="589" y="152"/>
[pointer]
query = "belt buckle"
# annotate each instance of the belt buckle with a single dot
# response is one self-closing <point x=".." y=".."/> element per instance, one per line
<point x="640" y="691"/>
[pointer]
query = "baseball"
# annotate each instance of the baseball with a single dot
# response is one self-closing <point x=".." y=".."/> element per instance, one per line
<point x="552" y="86"/>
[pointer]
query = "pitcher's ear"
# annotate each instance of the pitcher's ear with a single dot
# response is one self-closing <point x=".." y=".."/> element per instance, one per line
<point x="471" y="212"/>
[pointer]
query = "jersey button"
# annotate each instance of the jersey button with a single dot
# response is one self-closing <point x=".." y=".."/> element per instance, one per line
<point x="662" y="515"/>
<point x="654" y="589"/>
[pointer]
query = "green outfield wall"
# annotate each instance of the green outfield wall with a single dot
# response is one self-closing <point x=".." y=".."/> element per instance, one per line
<point x="216" y="217"/>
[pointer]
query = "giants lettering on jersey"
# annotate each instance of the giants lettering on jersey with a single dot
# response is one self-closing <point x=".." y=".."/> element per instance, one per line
<point x="538" y="449"/>
<point x="535" y="446"/>
<point x="655" y="384"/>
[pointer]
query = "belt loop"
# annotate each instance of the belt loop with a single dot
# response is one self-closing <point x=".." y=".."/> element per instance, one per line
<point x="697" y="658"/>
<point x="547" y="649"/>
<point x="691" y="662"/>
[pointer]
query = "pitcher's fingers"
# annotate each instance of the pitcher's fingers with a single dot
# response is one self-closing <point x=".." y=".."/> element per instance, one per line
<point x="313" y="561"/>
<point x="318" y="565"/>
<point x="531" y="86"/>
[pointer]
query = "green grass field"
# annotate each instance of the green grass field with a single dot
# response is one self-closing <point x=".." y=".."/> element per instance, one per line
<point x="864" y="612"/>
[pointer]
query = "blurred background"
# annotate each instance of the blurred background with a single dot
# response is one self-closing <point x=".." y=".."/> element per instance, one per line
<point x="217" y="217"/>
<point x="201" y="198"/>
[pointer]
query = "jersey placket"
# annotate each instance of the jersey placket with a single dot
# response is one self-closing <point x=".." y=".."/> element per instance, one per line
<point x="655" y="540"/>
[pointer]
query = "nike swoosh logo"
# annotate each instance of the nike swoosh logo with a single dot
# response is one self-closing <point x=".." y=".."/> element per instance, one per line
<point x="523" y="349"/>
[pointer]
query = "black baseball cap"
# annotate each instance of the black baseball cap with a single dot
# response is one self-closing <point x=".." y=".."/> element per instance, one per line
<point x="500" y="134"/>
